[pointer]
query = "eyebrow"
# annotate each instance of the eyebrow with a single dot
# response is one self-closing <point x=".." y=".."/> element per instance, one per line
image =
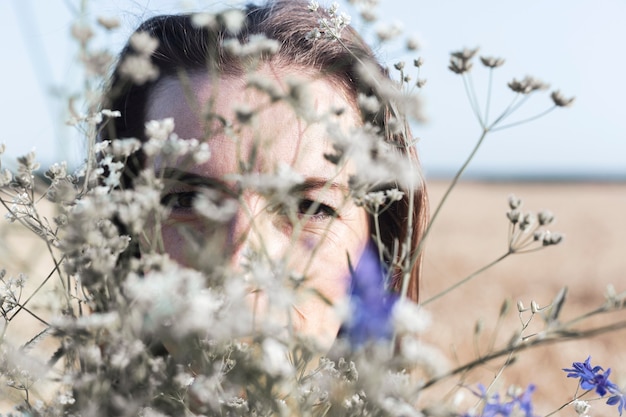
<point x="315" y="183"/>
<point x="192" y="179"/>
<point x="195" y="180"/>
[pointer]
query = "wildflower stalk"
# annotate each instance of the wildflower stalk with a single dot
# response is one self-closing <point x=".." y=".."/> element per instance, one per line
<point x="443" y="200"/>
<point x="556" y="336"/>
<point x="467" y="278"/>
<point x="530" y="119"/>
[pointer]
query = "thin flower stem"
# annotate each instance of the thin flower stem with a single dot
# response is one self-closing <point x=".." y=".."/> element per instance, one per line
<point x="554" y="337"/>
<point x="488" y="101"/>
<point x="466" y="279"/>
<point x="456" y="178"/>
<point x="513" y="105"/>
<point x="530" y="119"/>
<point x="469" y="92"/>
<point x="56" y="266"/>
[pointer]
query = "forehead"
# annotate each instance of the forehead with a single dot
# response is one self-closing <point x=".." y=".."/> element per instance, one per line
<point x="293" y="131"/>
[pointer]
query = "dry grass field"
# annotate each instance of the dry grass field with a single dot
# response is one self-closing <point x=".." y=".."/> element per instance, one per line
<point x="471" y="232"/>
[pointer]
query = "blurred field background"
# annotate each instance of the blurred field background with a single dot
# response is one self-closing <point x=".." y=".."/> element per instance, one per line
<point x="471" y="232"/>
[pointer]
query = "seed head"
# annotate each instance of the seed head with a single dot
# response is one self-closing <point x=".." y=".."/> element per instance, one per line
<point x="560" y="100"/>
<point x="527" y="85"/>
<point x="545" y="217"/>
<point x="412" y="44"/>
<point x="466" y="54"/>
<point x="514" y="202"/>
<point x="527" y="221"/>
<point x="551" y="238"/>
<point x="514" y="216"/>
<point x="491" y="62"/>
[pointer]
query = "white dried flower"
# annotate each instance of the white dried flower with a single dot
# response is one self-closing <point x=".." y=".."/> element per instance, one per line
<point x="143" y="44"/>
<point x="551" y="238"/>
<point x="108" y="22"/>
<point x="394" y="194"/>
<point x="160" y="129"/>
<point x="139" y="69"/>
<point x="527" y="85"/>
<point x="368" y="104"/>
<point x="527" y="221"/>
<point x="534" y="307"/>
<point x="375" y="199"/>
<point x="387" y="32"/>
<point x="5" y="177"/>
<point x="258" y="45"/>
<point x="514" y="202"/>
<point x="409" y="318"/>
<point x="334" y="7"/>
<point x="201" y="153"/>
<point x="413" y="44"/>
<point x="233" y="20"/>
<point x="212" y="206"/>
<point x="581" y="407"/>
<point x="313" y="6"/>
<point x="514" y="216"/>
<point x="65" y="398"/>
<point x="122" y="148"/>
<point x="275" y="358"/>
<point x="313" y="35"/>
<point x="204" y="20"/>
<point x="545" y="217"/>
<point x="491" y="62"/>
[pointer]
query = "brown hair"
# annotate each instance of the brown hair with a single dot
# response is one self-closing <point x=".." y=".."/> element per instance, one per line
<point x="184" y="46"/>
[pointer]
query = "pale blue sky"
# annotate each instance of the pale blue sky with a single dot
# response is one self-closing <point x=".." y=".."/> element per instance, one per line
<point x="574" y="45"/>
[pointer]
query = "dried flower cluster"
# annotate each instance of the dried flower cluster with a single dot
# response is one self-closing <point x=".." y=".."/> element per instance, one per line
<point x="136" y="333"/>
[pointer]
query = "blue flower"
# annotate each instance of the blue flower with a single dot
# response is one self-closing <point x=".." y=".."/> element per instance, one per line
<point x="519" y="405"/>
<point x="618" y="398"/>
<point x="371" y="304"/>
<point x="591" y="378"/>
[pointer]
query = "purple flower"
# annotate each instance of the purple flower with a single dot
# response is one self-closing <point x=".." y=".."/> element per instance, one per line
<point x="619" y="399"/>
<point x="518" y="405"/>
<point x="591" y="377"/>
<point x="371" y="304"/>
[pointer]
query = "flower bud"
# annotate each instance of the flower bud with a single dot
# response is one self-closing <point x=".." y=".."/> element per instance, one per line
<point x="514" y="202"/>
<point x="560" y="101"/>
<point x="514" y="216"/>
<point x="545" y="217"/>
<point x="534" y="307"/>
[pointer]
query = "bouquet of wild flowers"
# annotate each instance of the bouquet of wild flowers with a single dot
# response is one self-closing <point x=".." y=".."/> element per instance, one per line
<point x="245" y="235"/>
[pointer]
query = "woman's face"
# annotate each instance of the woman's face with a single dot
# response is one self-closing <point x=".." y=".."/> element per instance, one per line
<point x="322" y="230"/>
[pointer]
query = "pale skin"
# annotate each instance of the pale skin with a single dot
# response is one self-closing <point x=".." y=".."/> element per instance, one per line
<point x="330" y="228"/>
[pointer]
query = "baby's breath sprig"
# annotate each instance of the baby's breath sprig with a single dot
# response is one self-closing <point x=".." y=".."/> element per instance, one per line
<point x="461" y="63"/>
<point x="526" y="234"/>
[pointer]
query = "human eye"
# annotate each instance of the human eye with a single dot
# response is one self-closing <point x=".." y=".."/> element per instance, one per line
<point x="179" y="200"/>
<point x="315" y="210"/>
